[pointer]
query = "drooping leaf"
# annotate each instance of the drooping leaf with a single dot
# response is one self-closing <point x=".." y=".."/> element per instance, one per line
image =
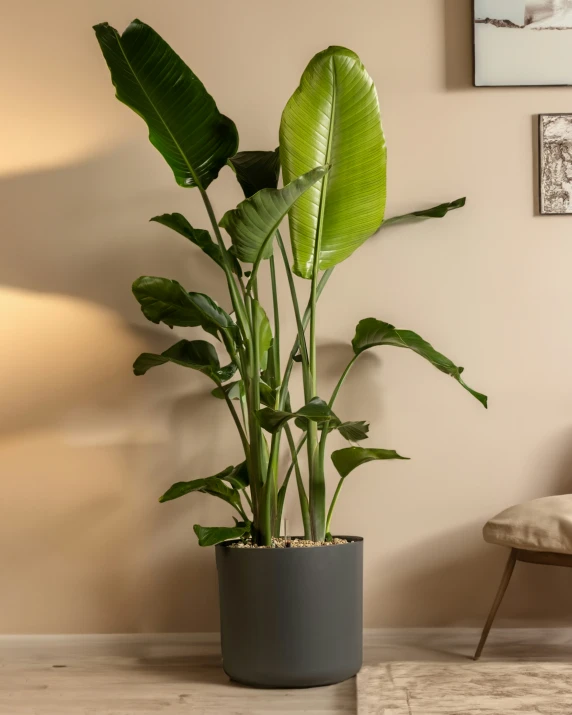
<point x="212" y="535"/>
<point x="196" y="354"/>
<point x="436" y="212"/>
<point x="256" y="170"/>
<point x="238" y="522"/>
<point x="346" y="460"/>
<point x="214" y="486"/>
<point x="201" y="238"/>
<point x="239" y="477"/>
<point x="232" y="389"/>
<point x="253" y="223"/>
<point x="166" y="301"/>
<point x="184" y="123"/>
<point x="333" y="118"/>
<point x="371" y="333"/>
<point x="316" y="410"/>
<point x="354" y="431"/>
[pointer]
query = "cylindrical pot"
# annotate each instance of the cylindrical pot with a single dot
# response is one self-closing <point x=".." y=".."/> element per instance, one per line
<point x="291" y="618"/>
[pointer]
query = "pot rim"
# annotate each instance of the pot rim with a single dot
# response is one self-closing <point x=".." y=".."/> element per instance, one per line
<point x="351" y="540"/>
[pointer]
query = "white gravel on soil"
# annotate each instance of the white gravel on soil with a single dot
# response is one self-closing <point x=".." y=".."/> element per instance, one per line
<point x="282" y="543"/>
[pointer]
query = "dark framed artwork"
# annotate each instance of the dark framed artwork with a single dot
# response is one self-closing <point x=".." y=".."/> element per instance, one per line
<point x="555" y="163"/>
<point x="522" y="43"/>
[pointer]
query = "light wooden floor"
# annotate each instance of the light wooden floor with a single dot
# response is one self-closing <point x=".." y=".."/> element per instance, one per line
<point x="172" y="674"/>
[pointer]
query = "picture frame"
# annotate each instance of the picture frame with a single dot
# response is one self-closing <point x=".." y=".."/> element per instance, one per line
<point x="555" y="164"/>
<point x="537" y="53"/>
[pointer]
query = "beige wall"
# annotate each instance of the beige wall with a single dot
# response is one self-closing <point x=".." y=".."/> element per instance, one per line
<point x="85" y="448"/>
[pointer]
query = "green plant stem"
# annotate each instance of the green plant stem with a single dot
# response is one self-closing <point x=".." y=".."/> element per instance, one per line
<point x="237" y="422"/>
<point x="237" y="301"/>
<point x="305" y="320"/>
<point x="304" y="506"/>
<point x="324" y="438"/>
<point x="341" y="381"/>
<point x="243" y="407"/>
<point x="332" y="505"/>
<point x="248" y="499"/>
<point x="299" y="325"/>
<point x="284" y="487"/>
<point x="315" y="455"/>
<point x="240" y="509"/>
<point x="276" y="337"/>
<point x="258" y="453"/>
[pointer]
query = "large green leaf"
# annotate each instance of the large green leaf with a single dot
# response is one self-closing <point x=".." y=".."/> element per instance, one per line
<point x="253" y="223"/>
<point x="333" y="118"/>
<point x="166" y="301"/>
<point x="196" y="354"/>
<point x="212" y="535"/>
<point x="256" y="170"/>
<point x="346" y="460"/>
<point x="184" y="123"/>
<point x="199" y="236"/>
<point x="371" y="333"/>
<point x="214" y="486"/>
<point x="316" y="410"/>
<point x="436" y="212"/>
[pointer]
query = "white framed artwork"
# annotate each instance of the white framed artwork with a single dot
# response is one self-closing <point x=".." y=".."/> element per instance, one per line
<point x="522" y="42"/>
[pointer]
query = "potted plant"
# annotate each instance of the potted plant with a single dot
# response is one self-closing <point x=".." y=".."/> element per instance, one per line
<point x="290" y="617"/>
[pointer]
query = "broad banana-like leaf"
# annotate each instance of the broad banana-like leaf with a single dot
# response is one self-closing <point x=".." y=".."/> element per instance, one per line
<point x="212" y="535"/>
<point x="436" y="212"/>
<point x="354" y="431"/>
<point x="316" y="410"/>
<point x="184" y="123"/>
<point x="256" y="170"/>
<point x="196" y="354"/>
<point x="346" y="460"/>
<point x="371" y="333"/>
<point x="253" y="223"/>
<point x="333" y="118"/>
<point x="166" y="301"/>
<point x="214" y="486"/>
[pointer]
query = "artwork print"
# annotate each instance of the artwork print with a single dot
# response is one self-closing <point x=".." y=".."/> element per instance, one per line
<point x="555" y="154"/>
<point x="522" y="42"/>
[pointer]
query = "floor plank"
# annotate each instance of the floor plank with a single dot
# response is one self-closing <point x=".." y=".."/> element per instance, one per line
<point x="176" y="674"/>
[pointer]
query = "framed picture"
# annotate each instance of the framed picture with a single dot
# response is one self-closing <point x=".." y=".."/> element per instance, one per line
<point x="522" y="42"/>
<point x="555" y="163"/>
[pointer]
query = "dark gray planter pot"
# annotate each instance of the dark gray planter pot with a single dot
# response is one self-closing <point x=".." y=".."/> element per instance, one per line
<point x="291" y="618"/>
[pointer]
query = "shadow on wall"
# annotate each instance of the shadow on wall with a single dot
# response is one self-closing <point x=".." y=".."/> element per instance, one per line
<point x="86" y="447"/>
<point x="458" y="44"/>
<point x="458" y="573"/>
<point x="83" y="230"/>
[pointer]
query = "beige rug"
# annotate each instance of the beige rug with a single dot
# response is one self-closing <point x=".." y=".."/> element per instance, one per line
<point x="465" y="689"/>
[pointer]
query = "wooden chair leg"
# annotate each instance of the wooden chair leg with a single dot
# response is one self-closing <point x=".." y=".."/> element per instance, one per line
<point x="509" y="568"/>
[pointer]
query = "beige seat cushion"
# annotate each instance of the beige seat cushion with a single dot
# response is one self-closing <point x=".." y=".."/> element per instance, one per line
<point x="538" y="525"/>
